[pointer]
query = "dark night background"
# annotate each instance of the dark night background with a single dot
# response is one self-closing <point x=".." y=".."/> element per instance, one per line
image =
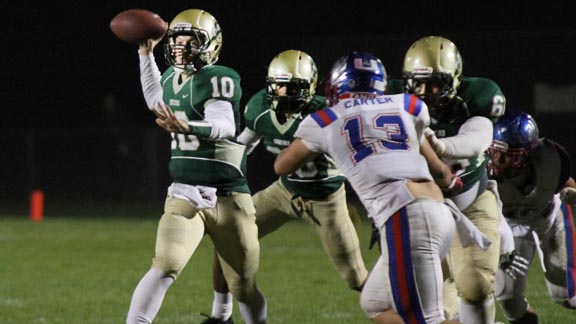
<point x="75" y="124"/>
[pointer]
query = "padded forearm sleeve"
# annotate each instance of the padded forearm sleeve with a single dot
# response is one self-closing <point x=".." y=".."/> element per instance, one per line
<point x="218" y="121"/>
<point x="473" y="138"/>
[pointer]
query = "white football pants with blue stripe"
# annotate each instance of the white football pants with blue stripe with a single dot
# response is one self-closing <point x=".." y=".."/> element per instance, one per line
<point x="407" y="277"/>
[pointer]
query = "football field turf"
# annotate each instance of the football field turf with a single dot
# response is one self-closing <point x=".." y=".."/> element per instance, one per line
<point x="84" y="270"/>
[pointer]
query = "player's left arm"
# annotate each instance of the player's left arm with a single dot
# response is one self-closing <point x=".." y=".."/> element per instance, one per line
<point x="294" y="157"/>
<point x="218" y="122"/>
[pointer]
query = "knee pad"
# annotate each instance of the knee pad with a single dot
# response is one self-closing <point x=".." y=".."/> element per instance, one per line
<point x="241" y="287"/>
<point x="173" y="242"/>
<point x="160" y="264"/>
<point x="473" y="286"/>
<point x="355" y="278"/>
<point x="170" y="257"/>
<point x="559" y="295"/>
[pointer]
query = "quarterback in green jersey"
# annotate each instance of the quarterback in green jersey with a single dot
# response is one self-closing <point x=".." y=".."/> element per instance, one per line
<point x="462" y="111"/>
<point x="316" y="192"/>
<point x="198" y="103"/>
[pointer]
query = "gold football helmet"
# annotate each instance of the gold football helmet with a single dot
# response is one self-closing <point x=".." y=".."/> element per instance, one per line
<point x="194" y="40"/>
<point x="432" y="70"/>
<point x="291" y="81"/>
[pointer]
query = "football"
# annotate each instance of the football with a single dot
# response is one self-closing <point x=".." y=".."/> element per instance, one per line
<point x="137" y="25"/>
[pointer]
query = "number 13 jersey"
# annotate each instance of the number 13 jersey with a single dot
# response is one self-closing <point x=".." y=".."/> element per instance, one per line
<point x="375" y="142"/>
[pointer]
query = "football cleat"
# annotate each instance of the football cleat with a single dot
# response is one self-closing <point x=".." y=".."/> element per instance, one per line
<point x="213" y="320"/>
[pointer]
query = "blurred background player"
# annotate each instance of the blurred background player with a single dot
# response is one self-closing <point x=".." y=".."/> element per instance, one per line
<point x="315" y="192"/>
<point x="462" y="111"/>
<point x="531" y="173"/>
<point x="209" y="194"/>
<point x="375" y="140"/>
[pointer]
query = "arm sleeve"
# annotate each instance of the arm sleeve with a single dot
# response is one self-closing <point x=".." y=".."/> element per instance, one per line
<point x="311" y="146"/>
<point x="249" y="138"/>
<point x="473" y="138"/>
<point x="218" y="122"/>
<point x="422" y="121"/>
<point x="150" y="77"/>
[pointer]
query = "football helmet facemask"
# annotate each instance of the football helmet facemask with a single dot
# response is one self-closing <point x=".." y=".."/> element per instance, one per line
<point x="515" y="135"/>
<point x="356" y="75"/>
<point x="201" y="47"/>
<point x="291" y="81"/>
<point x="432" y="70"/>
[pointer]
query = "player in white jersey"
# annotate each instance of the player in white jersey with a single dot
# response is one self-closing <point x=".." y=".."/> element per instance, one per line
<point x="537" y="193"/>
<point x="376" y="140"/>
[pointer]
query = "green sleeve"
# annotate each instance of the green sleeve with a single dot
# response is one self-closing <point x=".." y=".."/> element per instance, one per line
<point x="203" y="131"/>
<point x="255" y="106"/>
<point x="483" y="97"/>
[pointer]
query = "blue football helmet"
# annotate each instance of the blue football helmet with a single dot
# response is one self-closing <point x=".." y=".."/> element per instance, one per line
<point x="515" y="135"/>
<point x="356" y="75"/>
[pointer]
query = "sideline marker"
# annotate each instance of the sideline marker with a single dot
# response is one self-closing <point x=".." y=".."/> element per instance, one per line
<point x="37" y="205"/>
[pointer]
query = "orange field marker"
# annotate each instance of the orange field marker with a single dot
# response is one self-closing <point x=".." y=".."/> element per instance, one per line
<point x="37" y="205"/>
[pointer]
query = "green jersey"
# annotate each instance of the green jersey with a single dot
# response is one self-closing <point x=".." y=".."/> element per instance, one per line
<point x="318" y="178"/>
<point x="475" y="97"/>
<point x="197" y="160"/>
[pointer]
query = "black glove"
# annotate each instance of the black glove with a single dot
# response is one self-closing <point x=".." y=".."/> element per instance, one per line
<point x="514" y="264"/>
<point x="374" y="237"/>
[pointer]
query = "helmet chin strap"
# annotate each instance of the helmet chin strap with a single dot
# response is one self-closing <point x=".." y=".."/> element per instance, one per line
<point x="188" y="70"/>
<point x="287" y="115"/>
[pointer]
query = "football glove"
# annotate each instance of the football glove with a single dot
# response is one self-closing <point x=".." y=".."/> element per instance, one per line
<point x="513" y="264"/>
<point x="374" y="237"/>
<point x="454" y="187"/>
<point x="568" y="195"/>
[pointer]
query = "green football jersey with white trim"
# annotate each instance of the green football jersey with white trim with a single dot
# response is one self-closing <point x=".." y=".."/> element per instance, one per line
<point x="318" y="178"/>
<point x="201" y="161"/>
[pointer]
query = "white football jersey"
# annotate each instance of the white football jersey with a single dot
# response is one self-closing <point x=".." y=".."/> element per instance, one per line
<point x="376" y="144"/>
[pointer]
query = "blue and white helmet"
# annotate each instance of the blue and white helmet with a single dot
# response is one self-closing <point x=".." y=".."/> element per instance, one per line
<point x="356" y="75"/>
<point x="515" y="135"/>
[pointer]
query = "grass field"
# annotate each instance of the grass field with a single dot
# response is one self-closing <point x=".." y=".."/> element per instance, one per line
<point x="83" y="270"/>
